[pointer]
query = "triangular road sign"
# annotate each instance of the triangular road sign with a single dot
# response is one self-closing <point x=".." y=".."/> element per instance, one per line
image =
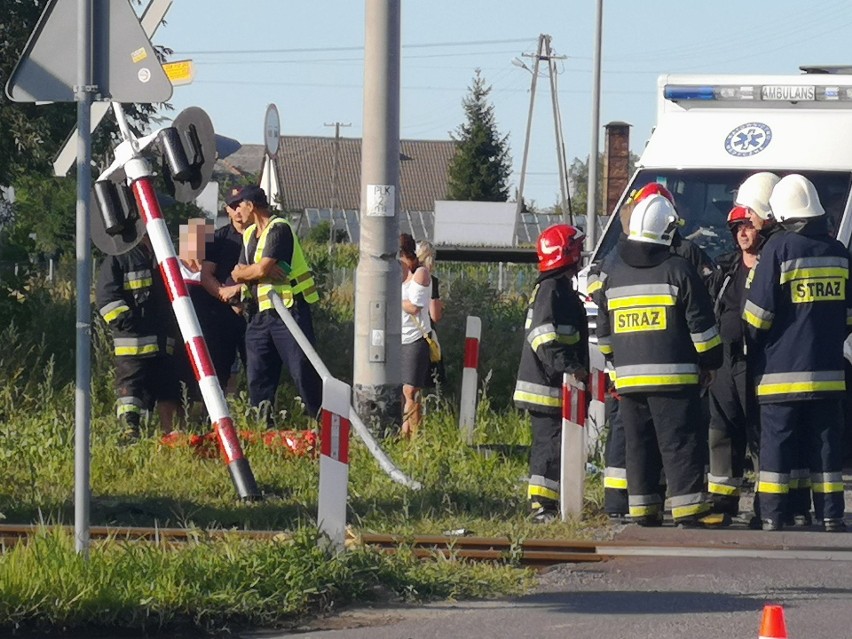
<point x="125" y="67"/>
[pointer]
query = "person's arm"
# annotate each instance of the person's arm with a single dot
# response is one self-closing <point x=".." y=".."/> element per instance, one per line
<point x="436" y="305"/>
<point x="419" y="292"/>
<point x="760" y="304"/>
<point x="110" y="298"/>
<point x="701" y="320"/>
<point x="554" y="344"/>
<point x="266" y="268"/>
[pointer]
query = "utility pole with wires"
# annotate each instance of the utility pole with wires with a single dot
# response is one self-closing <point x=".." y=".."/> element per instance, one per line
<point x="545" y="53"/>
<point x="335" y="178"/>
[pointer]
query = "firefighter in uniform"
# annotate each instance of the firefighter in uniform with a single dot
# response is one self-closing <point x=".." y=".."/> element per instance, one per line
<point x="615" y="473"/>
<point x="798" y="314"/>
<point x="272" y="260"/>
<point x="753" y="194"/>
<point x="656" y="325"/>
<point x="556" y="343"/>
<point x="730" y="408"/>
<point x="131" y="298"/>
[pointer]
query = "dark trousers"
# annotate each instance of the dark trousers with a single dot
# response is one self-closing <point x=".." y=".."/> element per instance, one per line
<point x="728" y="432"/>
<point x="269" y="344"/>
<point x="615" y="473"/>
<point x="662" y="431"/>
<point x="545" y="459"/>
<point x="814" y="427"/>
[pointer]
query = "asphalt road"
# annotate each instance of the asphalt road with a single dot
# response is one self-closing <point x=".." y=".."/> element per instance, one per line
<point x="641" y="597"/>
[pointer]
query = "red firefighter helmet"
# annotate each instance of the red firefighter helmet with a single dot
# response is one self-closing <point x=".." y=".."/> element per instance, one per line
<point x="558" y="246"/>
<point x="738" y="214"/>
<point x="652" y="188"/>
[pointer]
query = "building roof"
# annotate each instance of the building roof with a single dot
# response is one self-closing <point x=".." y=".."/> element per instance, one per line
<point x="306" y="167"/>
<point x="246" y="160"/>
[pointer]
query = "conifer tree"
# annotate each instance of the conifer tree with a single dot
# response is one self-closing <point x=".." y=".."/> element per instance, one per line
<point x="481" y="166"/>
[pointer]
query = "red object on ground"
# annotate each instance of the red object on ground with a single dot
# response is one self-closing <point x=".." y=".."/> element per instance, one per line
<point x="299" y="443"/>
<point x="772" y="624"/>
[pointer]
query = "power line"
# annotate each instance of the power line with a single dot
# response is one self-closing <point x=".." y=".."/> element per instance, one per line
<point x="422" y="45"/>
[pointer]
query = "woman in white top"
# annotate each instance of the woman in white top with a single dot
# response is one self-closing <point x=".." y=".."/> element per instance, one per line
<point x="416" y="293"/>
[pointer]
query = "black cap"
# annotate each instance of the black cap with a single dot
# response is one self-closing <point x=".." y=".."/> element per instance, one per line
<point x="248" y="193"/>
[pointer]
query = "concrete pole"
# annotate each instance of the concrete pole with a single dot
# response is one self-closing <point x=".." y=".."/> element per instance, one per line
<point x="83" y="360"/>
<point x="377" y="389"/>
<point x="591" y="205"/>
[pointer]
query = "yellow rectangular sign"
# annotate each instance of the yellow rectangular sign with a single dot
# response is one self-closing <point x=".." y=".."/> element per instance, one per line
<point x="180" y="71"/>
<point x="633" y="320"/>
<point x="818" y="289"/>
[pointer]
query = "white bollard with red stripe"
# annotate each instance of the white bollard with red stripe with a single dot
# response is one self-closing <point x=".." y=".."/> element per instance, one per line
<point x="572" y="481"/>
<point x="334" y="461"/>
<point x="139" y="172"/>
<point x="596" y="418"/>
<point x="470" y="377"/>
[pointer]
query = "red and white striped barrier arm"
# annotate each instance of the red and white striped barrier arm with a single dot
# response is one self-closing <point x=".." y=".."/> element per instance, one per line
<point x="334" y="461"/>
<point x="196" y="347"/>
<point x="470" y="377"/>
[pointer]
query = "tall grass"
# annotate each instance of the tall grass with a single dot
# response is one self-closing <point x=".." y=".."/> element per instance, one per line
<point x="213" y="584"/>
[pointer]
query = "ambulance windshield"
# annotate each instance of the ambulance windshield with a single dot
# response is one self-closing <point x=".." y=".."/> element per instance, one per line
<point x="704" y="197"/>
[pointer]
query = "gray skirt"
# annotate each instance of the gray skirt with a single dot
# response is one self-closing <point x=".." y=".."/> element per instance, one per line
<point x="415" y="363"/>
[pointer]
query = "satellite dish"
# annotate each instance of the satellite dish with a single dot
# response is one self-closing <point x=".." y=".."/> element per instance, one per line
<point x="199" y="143"/>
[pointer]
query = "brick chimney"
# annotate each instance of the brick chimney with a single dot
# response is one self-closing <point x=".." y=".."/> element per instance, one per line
<point x="616" y="163"/>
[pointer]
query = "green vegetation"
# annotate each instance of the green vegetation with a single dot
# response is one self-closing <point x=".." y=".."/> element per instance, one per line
<point x="232" y="583"/>
<point x="482" y="165"/>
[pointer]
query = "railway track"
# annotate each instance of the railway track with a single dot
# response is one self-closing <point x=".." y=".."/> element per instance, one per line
<point x="532" y="552"/>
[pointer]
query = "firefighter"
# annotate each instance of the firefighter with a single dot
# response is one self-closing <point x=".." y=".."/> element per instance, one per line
<point x="272" y="260"/>
<point x="615" y="473"/>
<point x="797" y="312"/>
<point x="729" y="404"/>
<point x="131" y="298"/>
<point x="753" y="194"/>
<point x="556" y="343"/>
<point x="656" y="327"/>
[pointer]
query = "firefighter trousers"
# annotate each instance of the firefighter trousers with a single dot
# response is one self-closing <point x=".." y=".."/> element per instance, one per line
<point x="545" y="459"/>
<point x="662" y="432"/>
<point x="728" y="435"/>
<point x="615" y="473"/>
<point x="815" y="426"/>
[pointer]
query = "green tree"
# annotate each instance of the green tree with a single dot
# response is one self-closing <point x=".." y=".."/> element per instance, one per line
<point x="481" y="166"/>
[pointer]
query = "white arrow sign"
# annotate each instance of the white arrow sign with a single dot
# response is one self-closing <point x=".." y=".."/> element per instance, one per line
<point x="150" y="20"/>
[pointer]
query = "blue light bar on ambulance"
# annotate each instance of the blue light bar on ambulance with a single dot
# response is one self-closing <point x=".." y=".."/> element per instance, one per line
<point x="765" y="93"/>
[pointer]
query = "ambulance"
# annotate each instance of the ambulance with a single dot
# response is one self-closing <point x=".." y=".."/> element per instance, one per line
<point x="713" y="131"/>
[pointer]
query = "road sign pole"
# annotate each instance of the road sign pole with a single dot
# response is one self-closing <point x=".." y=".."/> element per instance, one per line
<point x="83" y="338"/>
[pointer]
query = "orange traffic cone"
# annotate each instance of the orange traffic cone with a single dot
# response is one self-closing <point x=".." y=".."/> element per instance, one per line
<point x="772" y="625"/>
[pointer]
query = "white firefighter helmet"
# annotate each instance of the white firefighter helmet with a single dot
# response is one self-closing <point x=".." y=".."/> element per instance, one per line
<point x="755" y="191"/>
<point x="795" y="198"/>
<point x="654" y="220"/>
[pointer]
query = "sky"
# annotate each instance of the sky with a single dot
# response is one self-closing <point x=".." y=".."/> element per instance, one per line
<point x="307" y="59"/>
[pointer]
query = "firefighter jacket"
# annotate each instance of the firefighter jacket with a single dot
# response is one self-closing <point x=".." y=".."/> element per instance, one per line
<point x="132" y="300"/>
<point x="556" y="342"/>
<point x="300" y="278"/>
<point x="798" y="314"/>
<point x="655" y="321"/>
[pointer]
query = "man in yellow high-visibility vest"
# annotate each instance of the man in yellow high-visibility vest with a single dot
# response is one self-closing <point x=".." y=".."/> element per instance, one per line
<point x="272" y="260"/>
